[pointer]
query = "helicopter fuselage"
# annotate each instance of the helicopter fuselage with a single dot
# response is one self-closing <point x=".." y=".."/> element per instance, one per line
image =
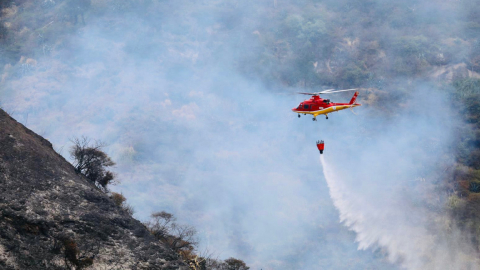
<point x="317" y="106"/>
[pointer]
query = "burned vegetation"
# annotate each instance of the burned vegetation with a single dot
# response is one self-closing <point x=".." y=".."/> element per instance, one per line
<point x="52" y="217"/>
<point x="55" y="215"/>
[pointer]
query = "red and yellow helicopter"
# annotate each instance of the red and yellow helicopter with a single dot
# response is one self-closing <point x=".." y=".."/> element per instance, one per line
<point x="316" y="105"/>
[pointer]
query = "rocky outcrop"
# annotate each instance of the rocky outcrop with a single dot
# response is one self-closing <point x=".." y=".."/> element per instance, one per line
<point x="53" y="218"/>
<point x="449" y="72"/>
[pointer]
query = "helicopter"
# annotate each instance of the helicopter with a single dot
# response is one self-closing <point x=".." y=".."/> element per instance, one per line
<point x="316" y="105"/>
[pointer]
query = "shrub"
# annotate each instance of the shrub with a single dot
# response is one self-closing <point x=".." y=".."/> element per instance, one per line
<point x="120" y="201"/>
<point x="72" y="256"/>
<point x="235" y="264"/>
<point x="92" y="162"/>
<point x="228" y="264"/>
<point x="178" y="237"/>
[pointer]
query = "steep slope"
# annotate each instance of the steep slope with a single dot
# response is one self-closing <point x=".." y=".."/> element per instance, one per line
<point x="52" y="218"/>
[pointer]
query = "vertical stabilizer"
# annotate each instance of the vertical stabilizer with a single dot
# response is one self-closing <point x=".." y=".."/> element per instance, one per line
<point x="354" y="98"/>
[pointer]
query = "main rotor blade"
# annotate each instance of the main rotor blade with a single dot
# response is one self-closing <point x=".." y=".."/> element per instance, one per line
<point x="329" y="91"/>
<point x="316" y="93"/>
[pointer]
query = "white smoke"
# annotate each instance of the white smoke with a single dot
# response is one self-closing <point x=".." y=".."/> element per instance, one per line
<point x="193" y="136"/>
<point x="404" y="230"/>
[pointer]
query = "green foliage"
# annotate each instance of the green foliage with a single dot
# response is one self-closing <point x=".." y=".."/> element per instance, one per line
<point x="467" y="88"/>
<point x="474" y="186"/>
<point x="467" y="93"/>
<point x="454" y="203"/>
<point x="464" y="204"/>
<point x="304" y="39"/>
<point x="410" y="55"/>
<point x="352" y="75"/>
<point x="293" y="24"/>
<point x="305" y="31"/>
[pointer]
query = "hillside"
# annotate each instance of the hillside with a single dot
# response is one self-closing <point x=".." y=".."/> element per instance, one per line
<point x="52" y="218"/>
<point x="193" y="99"/>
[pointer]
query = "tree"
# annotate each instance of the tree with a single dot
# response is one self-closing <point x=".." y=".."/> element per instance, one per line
<point x="235" y="264"/>
<point x="178" y="237"/>
<point x="228" y="264"/>
<point x="306" y="38"/>
<point x="92" y="162"/>
<point x="5" y="4"/>
<point x="410" y="54"/>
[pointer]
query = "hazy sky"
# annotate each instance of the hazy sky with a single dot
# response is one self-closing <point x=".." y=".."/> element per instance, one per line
<point x="192" y="136"/>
